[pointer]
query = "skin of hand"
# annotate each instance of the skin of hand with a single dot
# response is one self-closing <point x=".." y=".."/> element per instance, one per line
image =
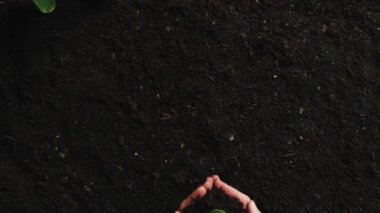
<point x="246" y="202"/>
<point x="197" y="194"/>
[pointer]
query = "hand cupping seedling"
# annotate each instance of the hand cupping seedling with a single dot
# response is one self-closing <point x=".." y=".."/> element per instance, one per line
<point x="45" y="6"/>
<point x="246" y="203"/>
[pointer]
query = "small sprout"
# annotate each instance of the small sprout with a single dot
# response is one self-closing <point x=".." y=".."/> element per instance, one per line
<point x="217" y="211"/>
<point x="45" y="6"/>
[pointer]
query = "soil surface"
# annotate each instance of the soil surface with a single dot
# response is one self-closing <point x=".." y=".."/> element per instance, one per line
<point x="127" y="106"/>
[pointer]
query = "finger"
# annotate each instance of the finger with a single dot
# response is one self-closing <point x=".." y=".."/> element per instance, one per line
<point x="198" y="193"/>
<point x="209" y="183"/>
<point x="252" y="208"/>
<point x="231" y="192"/>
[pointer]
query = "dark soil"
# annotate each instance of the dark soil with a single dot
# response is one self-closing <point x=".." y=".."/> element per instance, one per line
<point x="127" y="106"/>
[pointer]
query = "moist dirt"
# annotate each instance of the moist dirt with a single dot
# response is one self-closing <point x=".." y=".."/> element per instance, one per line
<point x="127" y="106"/>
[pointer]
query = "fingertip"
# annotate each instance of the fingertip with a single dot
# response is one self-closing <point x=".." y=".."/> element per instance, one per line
<point x="217" y="183"/>
<point x="208" y="184"/>
<point x="209" y="179"/>
<point x="215" y="177"/>
<point x="201" y="191"/>
<point x="252" y="208"/>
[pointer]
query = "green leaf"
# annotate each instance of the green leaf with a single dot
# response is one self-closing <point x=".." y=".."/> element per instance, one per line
<point x="217" y="211"/>
<point x="45" y="6"/>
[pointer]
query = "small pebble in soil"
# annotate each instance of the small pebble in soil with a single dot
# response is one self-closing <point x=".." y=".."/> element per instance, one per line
<point x="62" y="155"/>
<point x="231" y="137"/>
<point x="87" y="188"/>
<point x="156" y="175"/>
<point x="301" y="110"/>
<point x="324" y="28"/>
<point x="165" y="116"/>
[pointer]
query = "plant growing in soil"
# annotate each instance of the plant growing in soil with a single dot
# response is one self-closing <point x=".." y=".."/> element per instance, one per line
<point x="45" y="6"/>
<point x="217" y="211"/>
<point x="246" y="203"/>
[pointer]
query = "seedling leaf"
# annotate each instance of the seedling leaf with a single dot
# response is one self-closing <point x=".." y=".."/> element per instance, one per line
<point x="45" y="6"/>
<point x="217" y="211"/>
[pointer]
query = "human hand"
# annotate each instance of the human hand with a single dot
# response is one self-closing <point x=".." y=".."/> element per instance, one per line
<point x="246" y="202"/>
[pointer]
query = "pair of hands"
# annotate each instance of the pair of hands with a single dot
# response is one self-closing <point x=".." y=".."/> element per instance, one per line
<point x="214" y="181"/>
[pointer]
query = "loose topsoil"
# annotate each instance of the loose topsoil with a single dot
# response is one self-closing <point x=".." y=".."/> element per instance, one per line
<point x="128" y="105"/>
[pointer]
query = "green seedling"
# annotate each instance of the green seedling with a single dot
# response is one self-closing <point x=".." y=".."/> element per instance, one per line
<point x="217" y="211"/>
<point x="45" y="6"/>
